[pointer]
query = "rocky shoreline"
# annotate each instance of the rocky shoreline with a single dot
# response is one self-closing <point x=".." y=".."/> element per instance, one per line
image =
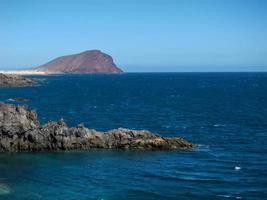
<point x="20" y="130"/>
<point x="11" y="80"/>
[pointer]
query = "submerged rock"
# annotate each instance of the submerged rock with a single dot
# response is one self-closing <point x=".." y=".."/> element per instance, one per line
<point x="10" y="80"/>
<point x="20" y="130"/>
<point x="18" y="99"/>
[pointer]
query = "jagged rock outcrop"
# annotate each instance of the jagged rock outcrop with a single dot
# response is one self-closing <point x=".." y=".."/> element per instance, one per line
<point x="92" y="61"/>
<point x="8" y="80"/>
<point x="20" y="130"/>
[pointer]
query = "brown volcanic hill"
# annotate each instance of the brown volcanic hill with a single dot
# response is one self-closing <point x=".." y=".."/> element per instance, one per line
<point x="92" y="61"/>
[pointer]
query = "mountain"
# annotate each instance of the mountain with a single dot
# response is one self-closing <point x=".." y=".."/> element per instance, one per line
<point x="92" y="61"/>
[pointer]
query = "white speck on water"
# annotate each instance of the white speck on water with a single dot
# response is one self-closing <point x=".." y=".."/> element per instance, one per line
<point x="224" y="195"/>
<point x="218" y="125"/>
<point x="229" y="196"/>
<point x="237" y="168"/>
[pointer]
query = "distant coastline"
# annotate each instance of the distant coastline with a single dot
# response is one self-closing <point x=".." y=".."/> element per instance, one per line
<point x="24" y="72"/>
<point x="87" y="62"/>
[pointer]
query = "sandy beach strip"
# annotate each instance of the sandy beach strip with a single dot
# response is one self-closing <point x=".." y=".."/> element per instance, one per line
<point x="24" y="72"/>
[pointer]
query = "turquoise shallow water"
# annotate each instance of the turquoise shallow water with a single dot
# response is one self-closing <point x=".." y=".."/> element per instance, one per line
<point x="226" y="113"/>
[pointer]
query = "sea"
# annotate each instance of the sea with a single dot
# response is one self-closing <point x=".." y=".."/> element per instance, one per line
<point x="224" y="114"/>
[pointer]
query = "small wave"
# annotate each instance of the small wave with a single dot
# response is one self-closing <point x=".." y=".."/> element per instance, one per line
<point x="224" y="195"/>
<point x="218" y="125"/>
<point x="17" y="99"/>
<point x="4" y="189"/>
<point x="202" y="147"/>
<point x="229" y="196"/>
<point x="166" y="126"/>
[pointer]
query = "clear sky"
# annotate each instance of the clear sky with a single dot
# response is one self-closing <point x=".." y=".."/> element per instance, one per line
<point x="141" y="35"/>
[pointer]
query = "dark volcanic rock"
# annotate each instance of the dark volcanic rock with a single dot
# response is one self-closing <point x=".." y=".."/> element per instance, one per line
<point x="20" y="99"/>
<point x="93" y="61"/>
<point x="8" y="80"/>
<point x="20" y="130"/>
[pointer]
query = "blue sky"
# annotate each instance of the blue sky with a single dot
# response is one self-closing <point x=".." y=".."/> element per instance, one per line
<point x="141" y="35"/>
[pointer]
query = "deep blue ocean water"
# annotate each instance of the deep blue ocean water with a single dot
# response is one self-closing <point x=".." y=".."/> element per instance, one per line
<point x="224" y="113"/>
